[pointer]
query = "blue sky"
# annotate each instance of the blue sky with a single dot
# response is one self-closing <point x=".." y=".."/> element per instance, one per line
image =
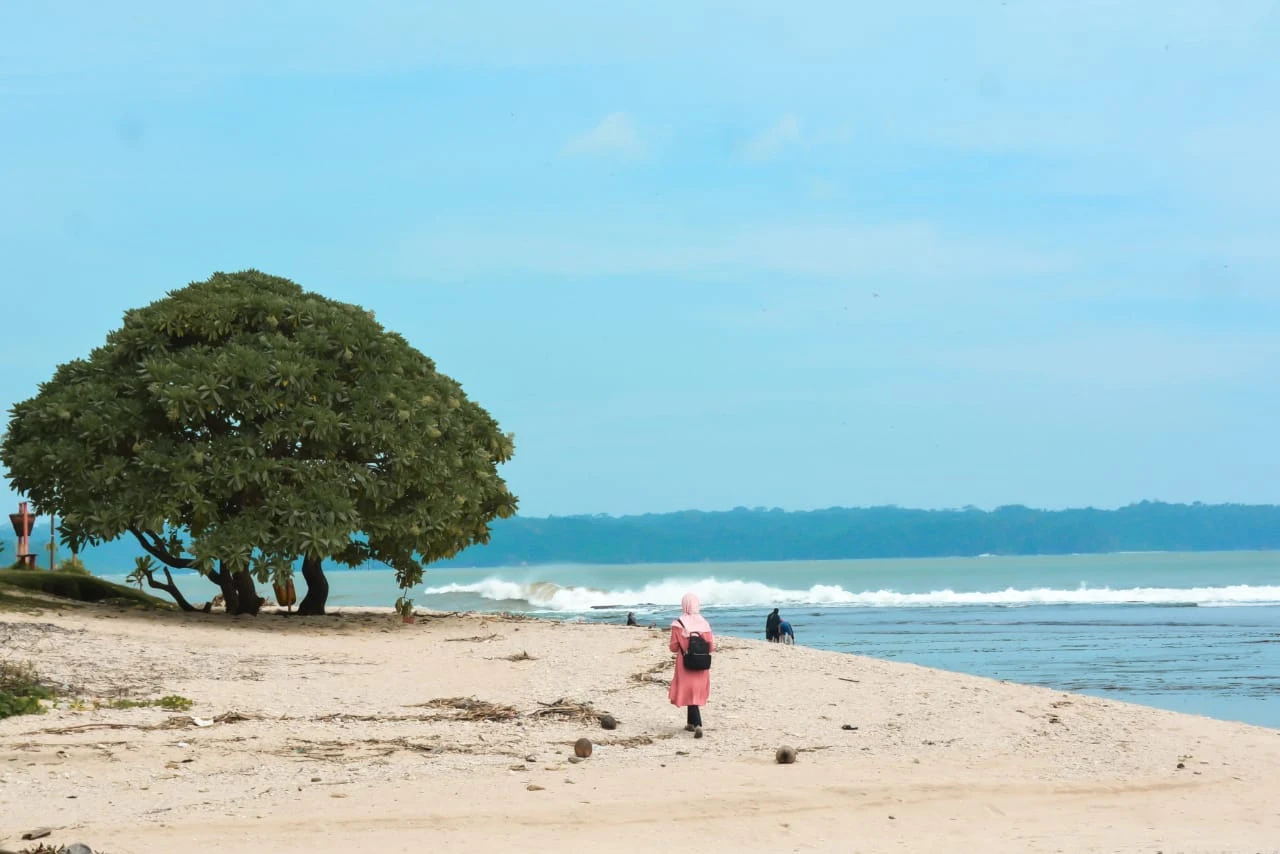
<point x="704" y="255"/>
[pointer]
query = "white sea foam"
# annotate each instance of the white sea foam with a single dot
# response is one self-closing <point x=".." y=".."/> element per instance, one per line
<point x="734" y="593"/>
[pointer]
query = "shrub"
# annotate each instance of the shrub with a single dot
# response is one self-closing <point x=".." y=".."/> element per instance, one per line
<point x="73" y="564"/>
<point x="20" y="690"/>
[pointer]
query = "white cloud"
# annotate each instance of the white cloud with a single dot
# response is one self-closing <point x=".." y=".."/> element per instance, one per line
<point x="786" y="131"/>
<point x="615" y="134"/>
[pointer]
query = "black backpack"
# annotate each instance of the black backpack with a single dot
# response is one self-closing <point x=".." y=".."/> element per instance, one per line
<point x="698" y="655"/>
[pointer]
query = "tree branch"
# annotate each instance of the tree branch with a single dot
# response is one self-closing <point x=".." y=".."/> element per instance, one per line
<point x="157" y="550"/>
<point x="168" y="587"/>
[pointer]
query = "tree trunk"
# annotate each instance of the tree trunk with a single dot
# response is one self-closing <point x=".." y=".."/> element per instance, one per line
<point x="312" y="604"/>
<point x="248" y="600"/>
<point x="230" y="593"/>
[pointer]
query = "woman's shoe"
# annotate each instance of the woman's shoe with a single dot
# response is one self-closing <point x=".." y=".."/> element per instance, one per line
<point x="697" y="732"/>
<point x="688" y="727"/>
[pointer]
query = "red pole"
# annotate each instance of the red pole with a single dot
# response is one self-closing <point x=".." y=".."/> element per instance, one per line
<point x="24" y="545"/>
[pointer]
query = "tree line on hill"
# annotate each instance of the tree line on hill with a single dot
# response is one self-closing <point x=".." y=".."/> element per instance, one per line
<point x="875" y="532"/>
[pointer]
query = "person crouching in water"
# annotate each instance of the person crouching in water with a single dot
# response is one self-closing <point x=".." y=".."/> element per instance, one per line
<point x="786" y="633"/>
<point x="691" y="686"/>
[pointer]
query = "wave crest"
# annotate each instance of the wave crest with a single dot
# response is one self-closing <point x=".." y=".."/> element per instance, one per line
<point x="545" y="595"/>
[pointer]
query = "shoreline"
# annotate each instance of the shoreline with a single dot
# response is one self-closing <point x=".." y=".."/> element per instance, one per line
<point x="328" y="735"/>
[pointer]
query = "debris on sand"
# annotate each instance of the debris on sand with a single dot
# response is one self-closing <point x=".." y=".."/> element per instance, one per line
<point x="567" y="710"/>
<point x="471" y="709"/>
<point x="474" y="639"/>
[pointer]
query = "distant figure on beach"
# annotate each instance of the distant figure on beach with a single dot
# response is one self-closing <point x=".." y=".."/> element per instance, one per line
<point x="771" y="626"/>
<point x="631" y="618"/>
<point x="690" y="688"/>
<point x="786" y="634"/>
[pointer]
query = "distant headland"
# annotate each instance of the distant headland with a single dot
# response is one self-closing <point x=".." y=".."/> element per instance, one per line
<point x="761" y="534"/>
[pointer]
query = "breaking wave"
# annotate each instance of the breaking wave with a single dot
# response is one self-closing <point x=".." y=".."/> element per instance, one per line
<point x="544" y="595"/>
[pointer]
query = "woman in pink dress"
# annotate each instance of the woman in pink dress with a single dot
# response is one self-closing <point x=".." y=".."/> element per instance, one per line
<point x="690" y="688"/>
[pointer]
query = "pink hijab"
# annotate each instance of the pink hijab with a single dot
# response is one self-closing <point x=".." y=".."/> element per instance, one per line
<point x="692" y="618"/>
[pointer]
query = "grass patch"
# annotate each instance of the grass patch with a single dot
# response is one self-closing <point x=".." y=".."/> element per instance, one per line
<point x="77" y="587"/>
<point x="172" y="703"/>
<point x="20" y="690"/>
<point x="12" y="600"/>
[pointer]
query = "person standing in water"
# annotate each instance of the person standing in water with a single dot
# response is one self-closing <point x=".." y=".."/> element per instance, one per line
<point x="771" y="626"/>
<point x="690" y="688"/>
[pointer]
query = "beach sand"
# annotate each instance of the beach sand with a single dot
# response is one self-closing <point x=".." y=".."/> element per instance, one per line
<point x="339" y="749"/>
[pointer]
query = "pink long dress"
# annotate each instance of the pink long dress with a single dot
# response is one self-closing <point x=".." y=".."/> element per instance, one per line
<point x="688" y="687"/>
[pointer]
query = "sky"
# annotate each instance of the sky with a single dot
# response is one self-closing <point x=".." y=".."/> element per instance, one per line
<point x="703" y="255"/>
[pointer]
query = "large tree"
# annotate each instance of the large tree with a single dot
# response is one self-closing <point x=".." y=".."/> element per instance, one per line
<point x="241" y="424"/>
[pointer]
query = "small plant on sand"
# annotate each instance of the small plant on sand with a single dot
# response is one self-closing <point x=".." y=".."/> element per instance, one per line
<point x="20" y="690"/>
<point x="404" y="607"/>
<point x="142" y="567"/>
<point x="172" y="703"/>
<point x="74" y="564"/>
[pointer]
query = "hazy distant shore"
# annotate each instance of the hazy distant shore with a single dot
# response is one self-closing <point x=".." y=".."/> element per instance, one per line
<point x="838" y="534"/>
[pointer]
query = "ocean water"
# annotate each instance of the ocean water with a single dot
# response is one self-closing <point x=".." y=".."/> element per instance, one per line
<point x="1196" y="633"/>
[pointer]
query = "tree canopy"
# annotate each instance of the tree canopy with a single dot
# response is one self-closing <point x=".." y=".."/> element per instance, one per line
<point x="241" y="423"/>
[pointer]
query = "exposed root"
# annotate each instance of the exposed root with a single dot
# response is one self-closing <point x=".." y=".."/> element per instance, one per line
<point x="474" y="639"/>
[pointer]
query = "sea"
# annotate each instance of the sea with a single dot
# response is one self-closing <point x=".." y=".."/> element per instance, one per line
<point x="1192" y="632"/>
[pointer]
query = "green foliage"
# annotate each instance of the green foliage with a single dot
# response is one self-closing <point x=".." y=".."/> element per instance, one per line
<point x="73" y="564"/>
<point x="142" y="569"/>
<point x="174" y="703"/>
<point x="171" y="702"/>
<point x="82" y="588"/>
<point x="404" y="606"/>
<point x="21" y="690"/>
<point x="252" y="422"/>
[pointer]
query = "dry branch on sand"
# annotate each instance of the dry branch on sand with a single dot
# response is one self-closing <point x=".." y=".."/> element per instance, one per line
<point x="474" y="639"/>
<point x="365" y="748"/>
<point x="519" y="656"/>
<point x="635" y="740"/>
<point x="567" y="710"/>
<point x="471" y="709"/>
<point x="651" y="674"/>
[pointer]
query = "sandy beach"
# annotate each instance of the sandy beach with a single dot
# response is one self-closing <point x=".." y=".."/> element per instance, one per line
<point x="359" y="733"/>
